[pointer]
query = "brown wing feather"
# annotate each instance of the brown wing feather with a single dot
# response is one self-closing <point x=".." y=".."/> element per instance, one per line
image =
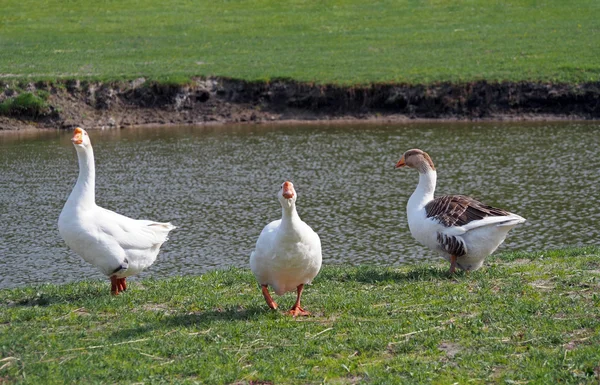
<point x="458" y="210"/>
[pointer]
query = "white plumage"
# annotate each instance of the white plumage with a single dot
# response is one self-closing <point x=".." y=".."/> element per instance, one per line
<point x="287" y="254"/>
<point x="117" y="245"/>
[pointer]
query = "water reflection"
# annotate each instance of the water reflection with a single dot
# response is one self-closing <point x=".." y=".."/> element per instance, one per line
<point x="218" y="185"/>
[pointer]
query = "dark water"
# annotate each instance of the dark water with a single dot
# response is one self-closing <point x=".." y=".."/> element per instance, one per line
<point x="218" y="184"/>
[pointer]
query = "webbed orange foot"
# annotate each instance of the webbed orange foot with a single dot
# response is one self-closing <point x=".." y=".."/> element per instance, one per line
<point x="296" y="311"/>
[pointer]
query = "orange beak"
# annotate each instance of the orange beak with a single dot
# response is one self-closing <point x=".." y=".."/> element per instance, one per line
<point x="400" y="162"/>
<point x="77" y="136"/>
<point x="288" y="190"/>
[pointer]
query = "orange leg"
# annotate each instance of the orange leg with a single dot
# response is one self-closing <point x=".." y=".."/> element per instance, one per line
<point x="122" y="284"/>
<point x="452" y="264"/>
<point x="270" y="302"/>
<point x="114" y="285"/>
<point x="297" y="310"/>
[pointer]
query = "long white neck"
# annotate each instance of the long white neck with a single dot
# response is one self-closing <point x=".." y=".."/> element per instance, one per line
<point x="83" y="194"/>
<point x="424" y="192"/>
<point x="289" y="217"/>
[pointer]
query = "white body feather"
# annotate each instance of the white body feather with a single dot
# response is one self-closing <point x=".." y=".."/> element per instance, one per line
<point x="287" y="253"/>
<point x="115" y="244"/>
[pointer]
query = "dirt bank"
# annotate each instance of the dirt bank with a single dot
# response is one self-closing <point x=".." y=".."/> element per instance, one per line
<point x="217" y="100"/>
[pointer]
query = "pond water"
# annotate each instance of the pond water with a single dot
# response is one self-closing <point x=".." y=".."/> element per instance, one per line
<point x="218" y="185"/>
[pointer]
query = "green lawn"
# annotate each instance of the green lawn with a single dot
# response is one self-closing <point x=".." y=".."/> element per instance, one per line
<point x="522" y="318"/>
<point x="346" y="41"/>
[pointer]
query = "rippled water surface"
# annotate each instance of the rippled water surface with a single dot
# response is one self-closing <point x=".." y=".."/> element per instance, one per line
<point x="218" y="185"/>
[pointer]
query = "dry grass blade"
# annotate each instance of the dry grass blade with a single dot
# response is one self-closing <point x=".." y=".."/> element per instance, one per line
<point x="8" y="362"/>
<point x="321" y="332"/>
<point x="105" y="346"/>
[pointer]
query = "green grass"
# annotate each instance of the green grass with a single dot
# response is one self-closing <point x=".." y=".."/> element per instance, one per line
<point x="26" y="103"/>
<point x="522" y="318"/>
<point x="346" y="42"/>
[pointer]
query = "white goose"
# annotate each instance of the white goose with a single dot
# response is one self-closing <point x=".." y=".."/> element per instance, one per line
<point x="462" y="229"/>
<point x="117" y="245"/>
<point x="287" y="254"/>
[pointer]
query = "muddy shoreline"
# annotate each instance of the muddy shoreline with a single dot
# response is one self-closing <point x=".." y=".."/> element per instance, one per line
<point x="140" y="102"/>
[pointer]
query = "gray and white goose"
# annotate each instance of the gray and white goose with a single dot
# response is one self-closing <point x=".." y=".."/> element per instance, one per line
<point x="463" y="230"/>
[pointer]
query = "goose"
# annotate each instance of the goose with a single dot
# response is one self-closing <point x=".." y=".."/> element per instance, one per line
<point x="287" y="254"/>
<point x="463" y="230"/>
<point x="115" y="244"/>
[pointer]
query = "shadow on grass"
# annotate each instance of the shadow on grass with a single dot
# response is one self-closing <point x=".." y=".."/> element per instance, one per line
<point x="192" y="319"/>
<point x="368" y="274"/>
<point x="62" y="294"/>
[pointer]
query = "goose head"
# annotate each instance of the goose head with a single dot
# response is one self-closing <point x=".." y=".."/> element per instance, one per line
<point x="287" y="194"/>
<point x="81" y="139"/>
<point x="417" y="159"/>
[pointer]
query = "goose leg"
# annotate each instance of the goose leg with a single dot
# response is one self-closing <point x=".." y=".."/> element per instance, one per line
<point x="122" y="284"/>
<point x="297" y="310"/>
<point x="270" y="302"/>
<point x="452" y="264"/>
<point x="114" y="285"/>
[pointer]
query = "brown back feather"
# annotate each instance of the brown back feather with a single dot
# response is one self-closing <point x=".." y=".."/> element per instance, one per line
<point x="458" y="210"/>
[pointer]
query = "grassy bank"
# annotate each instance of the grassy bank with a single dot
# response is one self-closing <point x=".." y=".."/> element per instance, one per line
<point x="524" y="317"/>
<point x="346" y="41"/>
